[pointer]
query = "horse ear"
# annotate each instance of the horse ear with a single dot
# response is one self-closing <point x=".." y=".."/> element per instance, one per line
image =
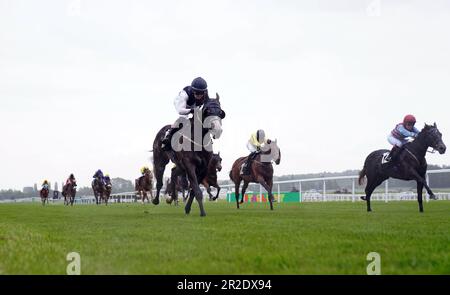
<point x="217" y="96"/>
<point x="435" y="126"/>
<point x="275" y="140"/>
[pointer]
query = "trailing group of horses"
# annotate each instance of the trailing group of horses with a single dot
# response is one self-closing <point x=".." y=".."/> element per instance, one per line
<point x="195" y="164"/>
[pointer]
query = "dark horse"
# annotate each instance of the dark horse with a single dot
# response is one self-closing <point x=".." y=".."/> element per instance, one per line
<point x="215" y="164"/>
<point x="193" y="158"/>
<point x="143" y="185"/>
<point x="261" y="171"/>
<point x="69" y="191"/>
<point x="410" y="164"/>
<point x="99" y="189"/>
<point x="44" y="195"/>
<point x="181" y="185"/>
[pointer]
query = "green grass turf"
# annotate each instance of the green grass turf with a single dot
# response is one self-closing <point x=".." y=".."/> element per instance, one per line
<point x="306" y="238"/>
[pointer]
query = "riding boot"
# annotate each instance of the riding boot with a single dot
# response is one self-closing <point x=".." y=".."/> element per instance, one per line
<point x="248" y="163"/>
<point x="393" y="155"/>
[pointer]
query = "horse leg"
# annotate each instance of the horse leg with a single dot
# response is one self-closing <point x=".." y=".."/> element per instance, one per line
<point x="195" y="187"/>
<point x="218" y="190"/>
<point x="208" y="189"/>
<point x="370" y="187"/>
<point x="236" y="186"/>
<point x="244" y="188"/>
<point x="421" y="179"/>
<point x="190" y="199"/>
<point x="268" y="188"/>
<point x="419" y="196"/>
<point x="159" y="173"/>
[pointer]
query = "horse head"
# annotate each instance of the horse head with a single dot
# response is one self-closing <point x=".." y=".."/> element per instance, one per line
<point x="433" y="138"/>
<point x="217" y="161"/>
<point x="213" y="115"/>
<point x="271" y="152"/>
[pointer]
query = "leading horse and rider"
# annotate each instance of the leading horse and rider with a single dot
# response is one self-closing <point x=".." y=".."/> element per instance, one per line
<point x="406" y="160"/>
<point x="188" y="142"/>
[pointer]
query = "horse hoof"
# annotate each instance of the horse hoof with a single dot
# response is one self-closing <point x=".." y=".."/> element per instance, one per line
<point x="155" y="202"/>
<point x="363" y="198"/>
<point x="202" y="214"/>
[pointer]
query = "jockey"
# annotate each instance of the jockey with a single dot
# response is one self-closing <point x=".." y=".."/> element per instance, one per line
<point x="45" y="185"/>
<point x="71" y="179"/>
<point x="398" y="136"/>
<point x="185" y="103"/>
<point x="144" y="169"/>
<point x="254" y="145"/>
<point x="107" y="179"/>
<point x="99" y="174"/>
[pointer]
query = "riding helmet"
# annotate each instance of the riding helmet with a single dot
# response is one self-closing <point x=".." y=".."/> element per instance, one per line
<point x="409" y="119"/>
<point x="260" y="135"/>
<point x="199" y="84"/>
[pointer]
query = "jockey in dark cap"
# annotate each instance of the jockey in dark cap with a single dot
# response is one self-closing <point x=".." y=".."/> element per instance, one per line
<point x="186" y="101"/>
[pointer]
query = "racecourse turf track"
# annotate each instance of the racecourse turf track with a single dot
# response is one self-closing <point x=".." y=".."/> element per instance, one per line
<point x="295" y="238"/>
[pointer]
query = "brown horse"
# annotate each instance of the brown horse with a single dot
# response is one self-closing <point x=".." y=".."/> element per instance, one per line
<point x="193" y="157"/>
<point x="69" y="192"/>
<point x="107" y="192"/>
<point x="143" y="185"/>
<point x="44" y="195"/>
<point x="215" y="165"/>
<point x="261" y="171"/>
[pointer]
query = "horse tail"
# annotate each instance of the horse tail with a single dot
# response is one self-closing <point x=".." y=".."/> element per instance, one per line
<point x="231" y="175"/>
<point x="362" y="173"/>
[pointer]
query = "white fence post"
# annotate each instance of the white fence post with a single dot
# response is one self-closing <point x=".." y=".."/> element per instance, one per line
<point x="299" y="191"/>
<point x="324" y="191"/>
<point x="386" y="189"/>
<point x="353" y="190"/>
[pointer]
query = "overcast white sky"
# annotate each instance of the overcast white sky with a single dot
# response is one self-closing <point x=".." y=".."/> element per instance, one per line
<point x="87" y="84"/>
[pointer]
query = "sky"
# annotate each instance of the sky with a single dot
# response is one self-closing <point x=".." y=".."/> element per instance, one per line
<point x="86" y="85"/>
